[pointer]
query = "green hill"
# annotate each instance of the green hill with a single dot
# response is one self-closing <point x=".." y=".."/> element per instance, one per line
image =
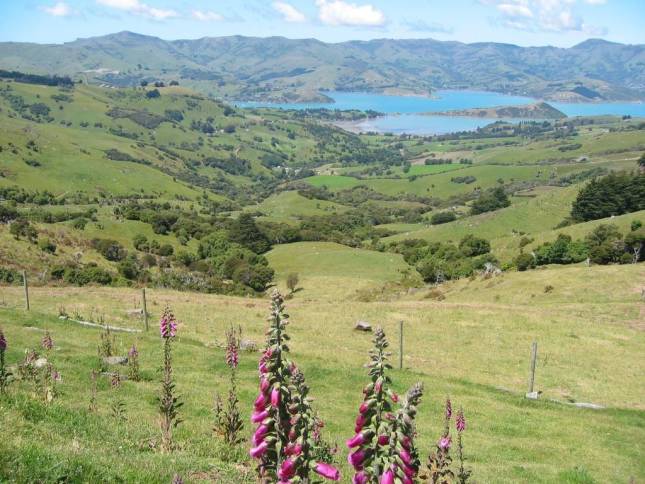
<point x="283" y="69"/>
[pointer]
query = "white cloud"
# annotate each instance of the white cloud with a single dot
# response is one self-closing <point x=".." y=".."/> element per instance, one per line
<point x="289" y="12"/>
<point x="206" y="16"/>
<point x="544" y="15"/>
<point x="513" y="10"/>
<point x="139" y="8"/>
<point x="61" y="9"/>
<point x="338" y="12"/>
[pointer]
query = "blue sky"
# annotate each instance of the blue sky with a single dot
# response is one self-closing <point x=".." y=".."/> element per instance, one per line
<point x="523" y="22"/>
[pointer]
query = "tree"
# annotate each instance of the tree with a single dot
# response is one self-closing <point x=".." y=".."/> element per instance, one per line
<point x="154" y="93"/>
<point x="605" y="244"/>
<point x="641" y="162"/>
<point x="490" y="201"/>
<point x="292" y="282"/>
<point x="634" y="242"/>
<point x="614" y="194"/>
<point x="524" y="261"/>
<point x="472" y="246"/>
<point x="442" y="218"/>
<point x="245" y="232"/>
<point x="22" y="228"/>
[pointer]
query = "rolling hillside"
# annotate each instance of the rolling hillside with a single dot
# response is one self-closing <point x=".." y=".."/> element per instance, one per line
<point x="281" y="69"/>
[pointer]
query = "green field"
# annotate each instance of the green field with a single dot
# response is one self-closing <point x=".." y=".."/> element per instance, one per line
<point x="473" y="346"/>
<point x="227" y="188"/>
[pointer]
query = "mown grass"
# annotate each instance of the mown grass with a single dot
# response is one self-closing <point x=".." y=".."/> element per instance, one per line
<point x="474" y="346"/>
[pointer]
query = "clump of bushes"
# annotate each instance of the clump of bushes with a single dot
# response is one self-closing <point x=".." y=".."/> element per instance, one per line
<point x="614" y="194"/>
<point x="604" y="245"/>
<point x="442" y="218"/>
<point x="490" y="201"/>
<point x="438" y="262"/>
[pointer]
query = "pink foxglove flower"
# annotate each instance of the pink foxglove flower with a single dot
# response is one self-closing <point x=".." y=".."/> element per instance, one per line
<point x="360" y="478"/>
<point x="448" y="409"/>
<point x="260" y="450"/>
<point x="275" y="397"/>
<point x="445" y="442"/>
<point x="133" y="352"/>
<point x="405" y="456"/>
<point x="260" y="402"/>
<point x="327" y="471"/>
<point x="387" y="477"/>
<point x="264" y="385"/>
<point x="259" y="434"/>
<point x="293" y="449"/>
<point x="460" y="422"/>
<point x="356" y="459"/>
<point x="168" y="324"/>
<point x="287" y="469"/>
<point x="358" y="439"/>
<point x="383" y="440"/>
<point x="258" y="417"/>
<point x="47" y="342"/>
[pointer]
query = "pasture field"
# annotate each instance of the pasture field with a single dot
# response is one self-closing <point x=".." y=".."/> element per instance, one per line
<point x="473" y="345"/>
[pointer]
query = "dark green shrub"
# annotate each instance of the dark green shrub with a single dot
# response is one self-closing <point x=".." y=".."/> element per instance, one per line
<point x="442" y="218"/>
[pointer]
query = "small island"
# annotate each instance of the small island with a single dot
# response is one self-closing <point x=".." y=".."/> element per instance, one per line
<point x="540" y="110"/>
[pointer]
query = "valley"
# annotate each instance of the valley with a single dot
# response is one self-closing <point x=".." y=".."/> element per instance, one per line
<point x="122" y="200"/>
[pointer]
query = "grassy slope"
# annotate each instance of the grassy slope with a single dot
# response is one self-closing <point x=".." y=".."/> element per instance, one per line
<point x="333" y="268"/>
<point x="473" y="346"/>
<point x="291" y="205"/>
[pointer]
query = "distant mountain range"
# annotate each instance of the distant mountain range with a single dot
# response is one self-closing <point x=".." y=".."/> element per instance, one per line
<point x="280" y="69"/>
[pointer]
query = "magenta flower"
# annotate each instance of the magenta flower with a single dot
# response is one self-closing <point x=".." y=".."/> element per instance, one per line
<point x="409" y="471"/>
<point x="3" y="341"/>
<point x="260" y="402"/>
<point x="445" y="442"/>
<point x="133" y="352"/>
<point x="259" y="434"/>
<point x="275" y="397"/>
<point x="259" y="451"/>
<point x="56" y="376"/>
<point x="293" y="449"/>
<point x="168" y="324"/>
<point x="263" y="367"/>
<point x="406" y="441"/>
<point x="448" y="409"/>
<point x="264" y="385"/>
<point x="363" y="408"/>
<point x="395" y="397"/>
<point x="327" y="471"/>
<point x="356" y="459"/>
<point x="461" y="421"/>
<point x="405" y="456"/>
<point x="383" y="440"/>
<point x="232" y="353"/>
<point x="360" y="478"/>
<point x="387" y="477"/>
<point x="47" y="342"/>
<point x="258" y="417"/>
<point x="287" y="469"/>
<point x="359" y="439"/>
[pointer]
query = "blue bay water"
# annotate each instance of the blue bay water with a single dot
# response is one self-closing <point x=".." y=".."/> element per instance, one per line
<point x="403" y="112"/>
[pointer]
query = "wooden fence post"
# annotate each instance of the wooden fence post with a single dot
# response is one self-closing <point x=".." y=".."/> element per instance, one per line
<point x="26" y="286"/>
<point x="145" y="308"/>
<point x="532" y="371"/>
<point x="400" y="345"/>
